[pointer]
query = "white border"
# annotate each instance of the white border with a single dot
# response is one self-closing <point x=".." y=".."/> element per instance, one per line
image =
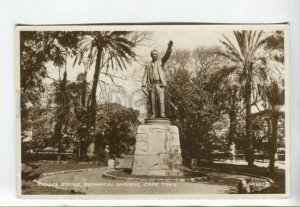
<point x="174" y="28"/>
<point x="89" y="11"/>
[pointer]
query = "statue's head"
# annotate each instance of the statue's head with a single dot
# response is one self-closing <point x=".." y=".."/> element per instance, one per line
<point x="154" y="54"/>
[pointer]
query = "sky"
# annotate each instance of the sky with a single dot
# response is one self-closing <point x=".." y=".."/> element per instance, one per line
<point x="189" y="39"/>
<point x="131" y="78"/>
<point x="157" y="40"/>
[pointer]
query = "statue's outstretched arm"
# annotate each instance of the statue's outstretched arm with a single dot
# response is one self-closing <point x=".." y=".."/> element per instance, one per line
<point x="167" y="54"/>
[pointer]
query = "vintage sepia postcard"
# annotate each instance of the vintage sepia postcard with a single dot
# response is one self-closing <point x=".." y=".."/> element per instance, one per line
<point x="153" y="111"/>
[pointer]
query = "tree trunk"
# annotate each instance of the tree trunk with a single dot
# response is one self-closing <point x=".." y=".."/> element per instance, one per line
<point x="83" y="94"/>
<point x="59" y="150"/>
<point x="59" y="123"/>
<point x="232" y="127"/>
<point x="92" y="104"/>
<point x="273" y="143"/>
<point x="79" y="150"/>
<point x="249" y="137"/>
<point x="83" y="121"/>
<point x="57" y="136"/>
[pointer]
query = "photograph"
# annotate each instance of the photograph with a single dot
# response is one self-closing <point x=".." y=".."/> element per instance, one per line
<point x="199" y="110"/>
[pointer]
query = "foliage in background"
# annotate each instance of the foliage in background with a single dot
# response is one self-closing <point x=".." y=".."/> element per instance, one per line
<point x="210" y="91"/>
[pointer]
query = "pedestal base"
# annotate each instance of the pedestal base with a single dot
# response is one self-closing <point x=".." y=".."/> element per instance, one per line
<point x="157" y="149"/>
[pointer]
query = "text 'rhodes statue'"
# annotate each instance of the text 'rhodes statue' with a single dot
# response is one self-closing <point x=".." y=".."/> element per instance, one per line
<point x="157" y="147"/>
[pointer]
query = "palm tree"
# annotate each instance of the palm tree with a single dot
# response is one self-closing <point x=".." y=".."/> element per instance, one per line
<point x="274" y="92"/>
<point x="112" y="49"/>
<point x="61" y="98"/>
<point x="275" y="98"/>
<point x="58" y="57"/>
<point x="249" y="63"/>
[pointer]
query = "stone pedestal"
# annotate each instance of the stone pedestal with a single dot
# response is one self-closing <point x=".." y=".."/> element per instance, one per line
<point x="157" y="149"/>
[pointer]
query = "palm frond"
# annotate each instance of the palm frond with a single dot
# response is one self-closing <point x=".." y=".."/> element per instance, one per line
<point x="124" y="41"/>
<point x="240" y="37"/>
<point x="119" y="33"/>
<point x="231" y="50"/>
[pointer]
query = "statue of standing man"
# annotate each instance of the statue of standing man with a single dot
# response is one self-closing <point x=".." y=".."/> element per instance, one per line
<point x="154" y="81"/>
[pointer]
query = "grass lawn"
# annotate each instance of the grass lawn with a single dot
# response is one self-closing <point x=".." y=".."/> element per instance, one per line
<point x="55" y="167"/>
<point x="30" y="188"/>
<point x="278" y="177"/>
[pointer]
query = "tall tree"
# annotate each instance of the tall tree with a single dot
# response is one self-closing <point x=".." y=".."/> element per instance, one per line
<point x="104" y="48"/>
<point x="193" y="97"/>
<point x="37" y="49"/>
<point x="274" y="92"/>
<point x="62" y="101"/>
<point x="226" y="83"/>
<point x="275" y="98"/>
<point x="249" y="61"/>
